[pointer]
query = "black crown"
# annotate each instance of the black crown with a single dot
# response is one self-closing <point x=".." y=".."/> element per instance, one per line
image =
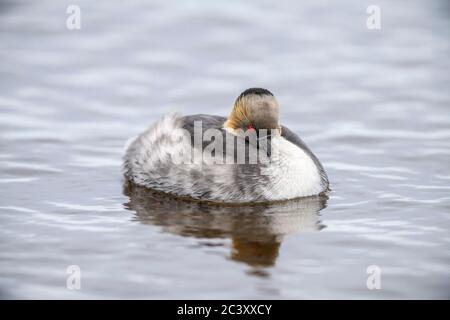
<point x="258" y="91"/>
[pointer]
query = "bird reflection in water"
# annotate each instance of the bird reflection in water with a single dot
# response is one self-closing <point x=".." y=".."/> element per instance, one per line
<point x="256" y="231"/>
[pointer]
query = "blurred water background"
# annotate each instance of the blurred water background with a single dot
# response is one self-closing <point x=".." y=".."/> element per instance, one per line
<point x="372" y="104"/>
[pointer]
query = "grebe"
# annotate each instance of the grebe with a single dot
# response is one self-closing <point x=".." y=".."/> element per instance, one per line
<point x="247" y="157"/>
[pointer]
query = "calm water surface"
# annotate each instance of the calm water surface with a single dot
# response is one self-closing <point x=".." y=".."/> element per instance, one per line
<point x="373" y="105"/>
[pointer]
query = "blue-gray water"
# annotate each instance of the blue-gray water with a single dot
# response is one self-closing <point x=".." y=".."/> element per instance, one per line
<point x="372" y="104"/>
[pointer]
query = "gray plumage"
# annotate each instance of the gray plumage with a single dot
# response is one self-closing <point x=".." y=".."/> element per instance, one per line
<point x="148" y="162"/>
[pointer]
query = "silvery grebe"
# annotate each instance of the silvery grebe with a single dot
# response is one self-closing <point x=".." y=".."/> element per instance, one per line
<point x="210" y="158"/>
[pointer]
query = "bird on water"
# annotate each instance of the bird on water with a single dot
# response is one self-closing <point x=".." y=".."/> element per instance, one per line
<point x="245" y="158"/>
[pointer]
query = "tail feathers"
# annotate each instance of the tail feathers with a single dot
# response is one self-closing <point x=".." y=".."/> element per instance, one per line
<point x="150" y="147"/>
